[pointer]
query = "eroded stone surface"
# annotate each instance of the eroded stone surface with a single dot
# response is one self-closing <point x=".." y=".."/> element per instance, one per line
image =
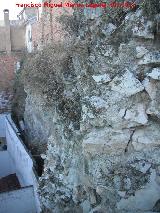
<point x="101" y="78"/>
<point x="141" y="51"/>
<point x="101" y="135"/>
<point x="126" y="84"/>
<point x="144" y="30"/>
<point x="150" y="193"/>
<point x="151" y="58"/>
<point x="106" y="141"/>
<point x="155" y="74"/>
<point x="146" y="137"/>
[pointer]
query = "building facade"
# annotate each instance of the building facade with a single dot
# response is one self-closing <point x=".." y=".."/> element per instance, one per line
<point x="12" y="46"/>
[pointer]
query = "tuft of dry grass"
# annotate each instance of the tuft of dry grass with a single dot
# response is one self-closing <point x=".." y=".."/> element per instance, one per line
<point x="44" y="71"/>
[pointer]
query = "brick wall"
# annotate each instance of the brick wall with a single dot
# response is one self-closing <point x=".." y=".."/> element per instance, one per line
<point x="7" y="67"/>
<point x="48" y="29"/>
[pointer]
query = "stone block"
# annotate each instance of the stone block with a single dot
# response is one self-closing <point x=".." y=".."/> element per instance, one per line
<point x="126" y="84"/>
<point x="141" y="51"/>
<point x="147" y="137"/>
<point x="155" y="74"/>
<point x="101" y="78"/>
<point x="150" y="58"/>
<point x="106" y="141"/>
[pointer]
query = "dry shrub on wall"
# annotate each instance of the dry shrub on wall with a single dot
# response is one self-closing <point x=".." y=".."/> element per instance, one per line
<point x="43" y="71"/>
<point x="69" y="24"/>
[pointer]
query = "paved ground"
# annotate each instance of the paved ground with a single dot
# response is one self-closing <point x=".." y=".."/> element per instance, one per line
<point x="9" y="183"/>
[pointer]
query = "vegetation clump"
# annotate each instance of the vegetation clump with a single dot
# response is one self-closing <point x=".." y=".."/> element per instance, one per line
<point x="44" y="70"/>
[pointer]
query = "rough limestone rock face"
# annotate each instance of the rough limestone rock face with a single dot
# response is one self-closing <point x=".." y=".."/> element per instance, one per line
<point x="103" y="133"/>
<point x="38" y="122"/>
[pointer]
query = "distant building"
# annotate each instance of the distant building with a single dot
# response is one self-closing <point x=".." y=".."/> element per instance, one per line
<point x="12" y="35"/>
<point x="28" y="16"/>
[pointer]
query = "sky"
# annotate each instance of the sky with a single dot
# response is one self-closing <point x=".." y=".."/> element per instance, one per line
<point x="13" y="9"/>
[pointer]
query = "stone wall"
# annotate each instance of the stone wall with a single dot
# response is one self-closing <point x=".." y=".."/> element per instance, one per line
<point x="102" y="132"/>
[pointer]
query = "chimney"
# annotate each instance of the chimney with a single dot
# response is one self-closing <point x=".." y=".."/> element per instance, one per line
<point x="7" y="30"/>
<point x="6" y="17"/>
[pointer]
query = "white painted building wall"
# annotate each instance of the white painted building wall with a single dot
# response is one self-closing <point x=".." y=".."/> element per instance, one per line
<point x="16" y="159"/>
<point x="6" y="164"/>
<point x="29" y="37"/>
<point x="2" y="125"/>
<point x="21" y="159"/>
<point x="18" y="201"/>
